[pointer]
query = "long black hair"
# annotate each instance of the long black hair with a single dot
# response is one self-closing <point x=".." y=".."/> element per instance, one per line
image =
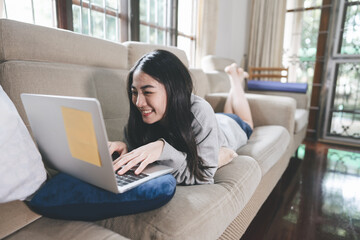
<point x="168" y="70"/>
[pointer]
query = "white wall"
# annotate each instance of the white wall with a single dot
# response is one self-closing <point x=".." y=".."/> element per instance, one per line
<point x="233" y="29"/>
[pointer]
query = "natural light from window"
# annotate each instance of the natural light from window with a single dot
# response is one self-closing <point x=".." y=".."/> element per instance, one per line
<point x="89" y="18"/>
<point x="187" y="27"/>
<point x="40" y="12"/>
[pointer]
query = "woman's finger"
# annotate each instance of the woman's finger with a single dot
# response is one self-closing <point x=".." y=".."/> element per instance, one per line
<point x="122" y="160"/>
<point x="123" y="151"/>
<point x="131" y="164"/>
<point x="143" y="165"/>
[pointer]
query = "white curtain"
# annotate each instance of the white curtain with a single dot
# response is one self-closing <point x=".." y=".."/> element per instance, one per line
<point x="292" y="39"/>
<point x="1" y="8"/>
<point x="206" y="29"/>
<point x="267" y="33"/>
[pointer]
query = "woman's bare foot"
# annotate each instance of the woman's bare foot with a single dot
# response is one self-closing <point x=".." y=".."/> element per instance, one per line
<point x="236" y="74"/>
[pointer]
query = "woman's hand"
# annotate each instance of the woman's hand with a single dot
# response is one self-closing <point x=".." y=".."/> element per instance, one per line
<point x="144" y="155"/>
<point x="119" y="147"/>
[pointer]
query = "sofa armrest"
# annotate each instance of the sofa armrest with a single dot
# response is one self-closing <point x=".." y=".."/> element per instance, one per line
<point x="302" y="99"/>
<point x="265" y="109"/>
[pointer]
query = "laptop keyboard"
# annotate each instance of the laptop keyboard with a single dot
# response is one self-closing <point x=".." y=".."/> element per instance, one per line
<point x="128" y="177"/>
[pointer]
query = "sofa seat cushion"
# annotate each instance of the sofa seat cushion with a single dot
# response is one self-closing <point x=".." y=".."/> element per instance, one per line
<point x="14" y="216"/>
<point x="198" y="211"/>
<point x="46" y="228"/>
<point x="301" y="119"/>
<point x="266" y="145"/>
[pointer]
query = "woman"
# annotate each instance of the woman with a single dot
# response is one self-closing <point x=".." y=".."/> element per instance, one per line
<point x="170" y="125"/>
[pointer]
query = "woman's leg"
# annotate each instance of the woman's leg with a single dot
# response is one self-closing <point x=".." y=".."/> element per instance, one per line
<point x="236" y="102"/>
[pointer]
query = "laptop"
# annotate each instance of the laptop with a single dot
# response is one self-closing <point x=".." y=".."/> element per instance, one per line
<point x="71" y="137"/>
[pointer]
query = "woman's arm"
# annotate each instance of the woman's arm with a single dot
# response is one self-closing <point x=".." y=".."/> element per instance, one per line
<point x="206" y="132"/>
<point x="177" y="160"/>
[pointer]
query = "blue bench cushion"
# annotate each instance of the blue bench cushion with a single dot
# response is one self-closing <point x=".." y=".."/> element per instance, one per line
<point x="258" y="85"/>
<point x="66" y="197"/>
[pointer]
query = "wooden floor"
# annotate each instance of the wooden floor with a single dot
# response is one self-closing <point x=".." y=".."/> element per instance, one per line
<point x="318" y="197"/>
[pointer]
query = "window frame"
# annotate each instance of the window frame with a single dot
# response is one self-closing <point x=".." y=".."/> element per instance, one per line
<point x="64" y="14"/>
<point x="338" y="33"/>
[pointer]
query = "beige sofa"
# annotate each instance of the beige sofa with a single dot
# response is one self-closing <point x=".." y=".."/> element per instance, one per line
<point x="213" y="66"/>
<point x="37" y="59"/>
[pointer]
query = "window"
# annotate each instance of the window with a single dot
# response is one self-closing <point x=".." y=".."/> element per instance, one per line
<point x="164" y="22"/>
<point x="156" y="23"/>
<point x="186" y="40"/>
<point x="302" y="22"/>
<point x="343" y="103"/>
<point x="305" y="51"/>
<point x="98" y="18"/>
<point x="169" y="22"/>
<point x="40" y="12"/>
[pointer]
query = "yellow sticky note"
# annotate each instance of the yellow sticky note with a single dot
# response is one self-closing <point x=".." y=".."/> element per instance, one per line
<point x="81" y="136"/>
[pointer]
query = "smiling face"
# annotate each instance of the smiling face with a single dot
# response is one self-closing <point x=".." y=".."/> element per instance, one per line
<point x="149" y="96"/>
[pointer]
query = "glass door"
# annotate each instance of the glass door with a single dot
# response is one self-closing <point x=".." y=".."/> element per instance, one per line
<point x="342" y="117"/>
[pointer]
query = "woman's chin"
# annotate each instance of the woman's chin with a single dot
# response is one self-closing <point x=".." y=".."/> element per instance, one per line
<point x="148" y="120"/>
<point x="151" y="119"/>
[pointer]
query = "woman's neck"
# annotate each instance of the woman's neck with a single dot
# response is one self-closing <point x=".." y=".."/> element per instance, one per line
<point x="164" y="123"/>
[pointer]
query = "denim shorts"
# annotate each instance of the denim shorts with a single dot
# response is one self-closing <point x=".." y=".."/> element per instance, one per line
<point x="247" y="129"/>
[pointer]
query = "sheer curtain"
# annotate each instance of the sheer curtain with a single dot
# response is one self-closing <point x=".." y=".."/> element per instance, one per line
<point x="267" y="33"/>
<point x="207" y="23"/>
<point x="1" y="8"/>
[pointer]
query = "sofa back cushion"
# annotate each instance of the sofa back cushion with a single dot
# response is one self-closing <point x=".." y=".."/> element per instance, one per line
<point x="137" y="49"/>
<point x="111" y="92"/>
<point x="211" y="63"/>
<point x="302" y="100"/>
<point x="108" y="85"/>
<point x="219" y="82"/>
<point x="200" y="81"/>
<point x="23" y="41"/>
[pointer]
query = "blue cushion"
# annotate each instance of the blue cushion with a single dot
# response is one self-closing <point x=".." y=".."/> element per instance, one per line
<point x="66" y="197"/>
<point x="258" y="85"/>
